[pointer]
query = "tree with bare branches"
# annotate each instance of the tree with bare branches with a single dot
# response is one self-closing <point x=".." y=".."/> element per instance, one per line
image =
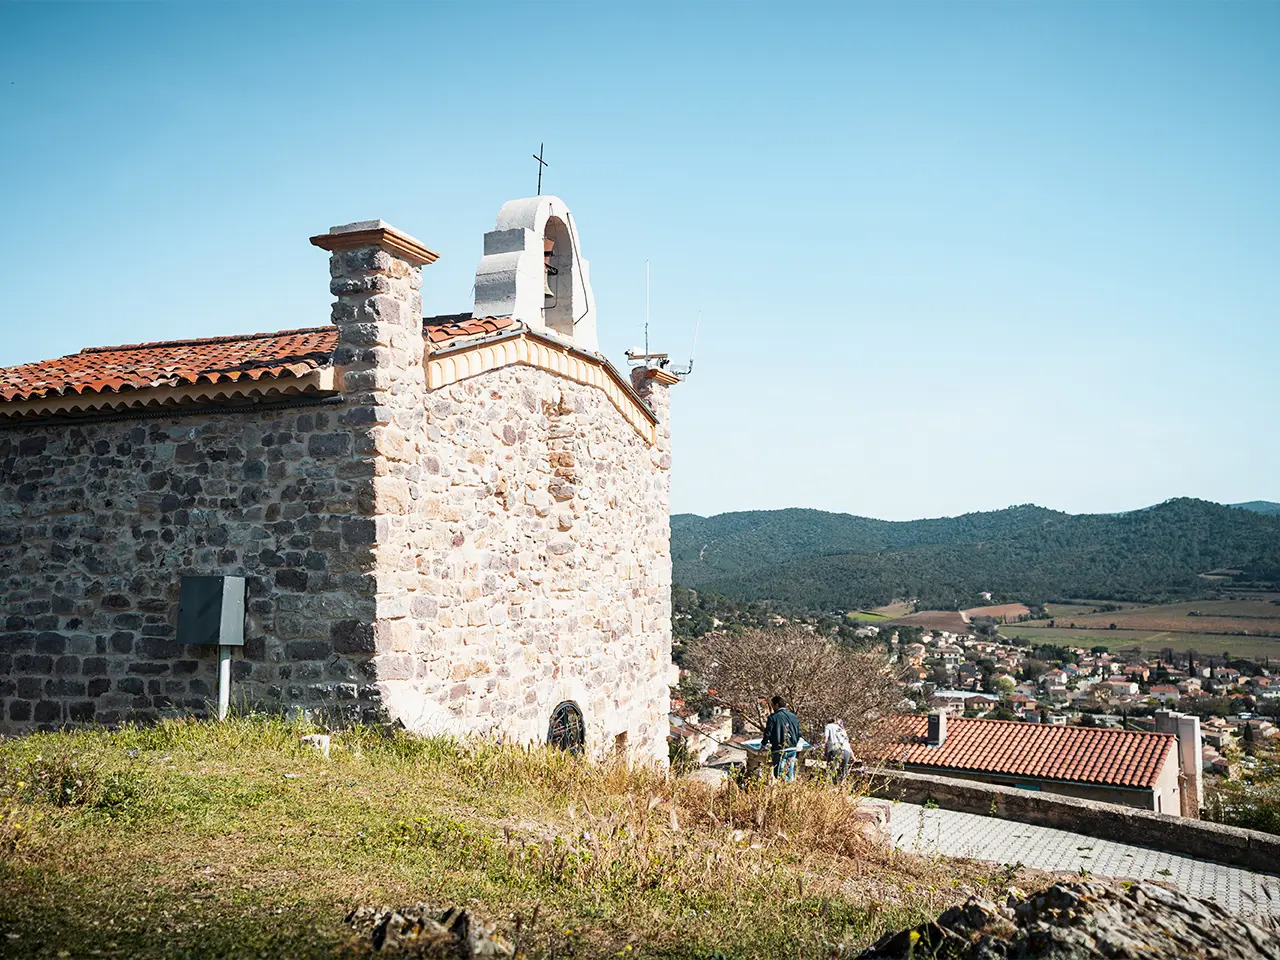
<point x="819" y="679"/>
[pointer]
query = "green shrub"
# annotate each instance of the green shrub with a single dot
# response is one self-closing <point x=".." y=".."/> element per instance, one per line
<point x="682" y="761"/>
<point x="1253" y="806"/>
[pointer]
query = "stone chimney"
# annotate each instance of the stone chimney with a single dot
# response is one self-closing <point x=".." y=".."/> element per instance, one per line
<point x="1190" y="758"/>
<point x="376" y="281"/>
<point x="1190" y="762"/>
<point x="937" y="728"/>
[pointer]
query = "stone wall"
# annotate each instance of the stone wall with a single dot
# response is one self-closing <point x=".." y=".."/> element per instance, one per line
<point x="99" y="521"/>
<point x="544" y="568"/>
<point x="1214" y="842"/>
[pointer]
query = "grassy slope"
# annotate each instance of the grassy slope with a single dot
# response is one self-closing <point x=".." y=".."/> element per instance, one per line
<point x="202" y="840"/>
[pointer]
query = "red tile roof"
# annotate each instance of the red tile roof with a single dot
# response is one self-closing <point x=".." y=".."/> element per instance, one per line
<point x="174" y="363"/>
<point x="289" y="353"/>
<point x="444" y="330"/>
<point x="1122" y="758"/>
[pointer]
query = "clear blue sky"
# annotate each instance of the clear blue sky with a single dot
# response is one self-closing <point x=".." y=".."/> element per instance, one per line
<point x="949" y="257"/>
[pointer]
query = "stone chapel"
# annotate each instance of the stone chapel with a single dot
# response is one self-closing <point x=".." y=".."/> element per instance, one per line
<point x="459" y="524"/>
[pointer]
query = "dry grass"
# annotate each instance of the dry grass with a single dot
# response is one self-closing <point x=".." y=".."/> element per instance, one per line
<point x="1010" y="611"/>
<point x="200" y="840"/>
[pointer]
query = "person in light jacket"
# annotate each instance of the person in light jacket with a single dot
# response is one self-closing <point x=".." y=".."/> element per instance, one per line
<point x="835" y="743"/>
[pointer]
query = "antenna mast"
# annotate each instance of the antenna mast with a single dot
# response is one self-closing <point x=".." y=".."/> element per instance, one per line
<point x="646" y="308"/>
<point x="645" y="358"/>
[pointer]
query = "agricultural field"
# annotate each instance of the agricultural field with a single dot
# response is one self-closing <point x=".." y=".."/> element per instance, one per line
<point x="948" y="621"/>
<point x="894" y="610"/>
<point x="1008" y="611"/>
<point x="1254" y="617"/>
<point x="867" y="616"/>
<point x="1253" y="647"/>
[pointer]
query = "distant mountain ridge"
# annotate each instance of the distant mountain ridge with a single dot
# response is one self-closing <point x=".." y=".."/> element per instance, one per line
<point x="1269" y="507"/>
<point x="816" y="560"/>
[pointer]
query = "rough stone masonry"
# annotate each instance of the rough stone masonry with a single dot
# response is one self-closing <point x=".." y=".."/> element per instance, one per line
<point x="459" y="531"/>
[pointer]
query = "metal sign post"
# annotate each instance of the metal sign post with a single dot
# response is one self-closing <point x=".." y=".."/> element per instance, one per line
<point x="224" y="680"/>
<point x="211" y="613"/>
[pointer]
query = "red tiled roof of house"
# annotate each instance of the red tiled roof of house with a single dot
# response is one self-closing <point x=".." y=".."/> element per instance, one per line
<point x="443" y="330"/>
<point x="1123" y="758"/>
<point x="175" y="363"/>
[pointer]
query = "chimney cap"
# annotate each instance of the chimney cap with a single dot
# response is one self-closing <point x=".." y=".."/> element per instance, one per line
<point x="937" y="728"/>
<point x="379" y="233"/>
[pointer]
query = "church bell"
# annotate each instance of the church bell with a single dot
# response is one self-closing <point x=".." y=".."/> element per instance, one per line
<point x="548" y="248"/>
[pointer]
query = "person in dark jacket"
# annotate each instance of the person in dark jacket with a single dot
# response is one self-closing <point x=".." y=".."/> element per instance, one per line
<point x="782" y="734"/>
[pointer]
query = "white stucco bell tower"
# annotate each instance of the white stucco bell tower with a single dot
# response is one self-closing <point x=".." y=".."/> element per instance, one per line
<point x="533" y="270"/>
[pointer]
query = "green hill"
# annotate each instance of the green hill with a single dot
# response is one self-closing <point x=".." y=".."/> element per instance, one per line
<point x="1269" y="507"/>
<point x="814" y="560"/>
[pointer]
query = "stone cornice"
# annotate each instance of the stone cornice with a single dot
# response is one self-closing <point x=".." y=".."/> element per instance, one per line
<point x="530" y="349"/>
<point x="383" y="235"/>
<point x="665" y="377"/>
<point x="317" y="382"/>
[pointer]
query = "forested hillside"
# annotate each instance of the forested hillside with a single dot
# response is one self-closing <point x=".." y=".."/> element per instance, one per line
<point x="807" y="559"/>
<point x="1260" y="506"/>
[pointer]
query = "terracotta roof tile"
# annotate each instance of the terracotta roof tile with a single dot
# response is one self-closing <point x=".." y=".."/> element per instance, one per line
<point x="1125" y="758"/>
<point x="137" y="366"/>
<point x="442" y="330"/>
<point x="289" y="353"/>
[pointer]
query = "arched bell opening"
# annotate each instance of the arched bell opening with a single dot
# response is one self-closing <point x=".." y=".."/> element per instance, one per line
<point x="559" y="269"/>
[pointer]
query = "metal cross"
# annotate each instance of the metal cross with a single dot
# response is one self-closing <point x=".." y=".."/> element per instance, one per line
<point x="541" y="163"/>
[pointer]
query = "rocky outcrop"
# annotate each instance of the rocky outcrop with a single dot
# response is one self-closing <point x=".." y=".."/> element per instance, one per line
<point x="419" y="931"/>
<point x="1081" y="920"/>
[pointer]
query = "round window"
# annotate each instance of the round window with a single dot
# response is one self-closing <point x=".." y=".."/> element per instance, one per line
<point x="566" y="729"/>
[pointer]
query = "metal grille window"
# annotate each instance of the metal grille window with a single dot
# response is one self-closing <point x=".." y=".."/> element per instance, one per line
<point x="566" y="729"/>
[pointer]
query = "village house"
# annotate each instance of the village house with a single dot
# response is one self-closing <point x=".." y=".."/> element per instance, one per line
<point x="1119" y="688"/>
<point x="1261" y="729"/>
<point x="957" y="701"/>
<point x="1165" y="693"/>
<point x="702" y="737"/>
<point x="1022" y="705"/>
<point x="1218" y="733"/>
<point x="457" y="524"/>
<point x="1151" y="771"/>
<point x="950" y="656"/>
<point x="1189" y="686"/>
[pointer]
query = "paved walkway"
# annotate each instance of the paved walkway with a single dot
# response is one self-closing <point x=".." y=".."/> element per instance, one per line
<point x="954" y="834"/>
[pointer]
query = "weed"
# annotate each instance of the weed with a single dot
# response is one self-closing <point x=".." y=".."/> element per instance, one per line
<point x="60" y="775"/>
